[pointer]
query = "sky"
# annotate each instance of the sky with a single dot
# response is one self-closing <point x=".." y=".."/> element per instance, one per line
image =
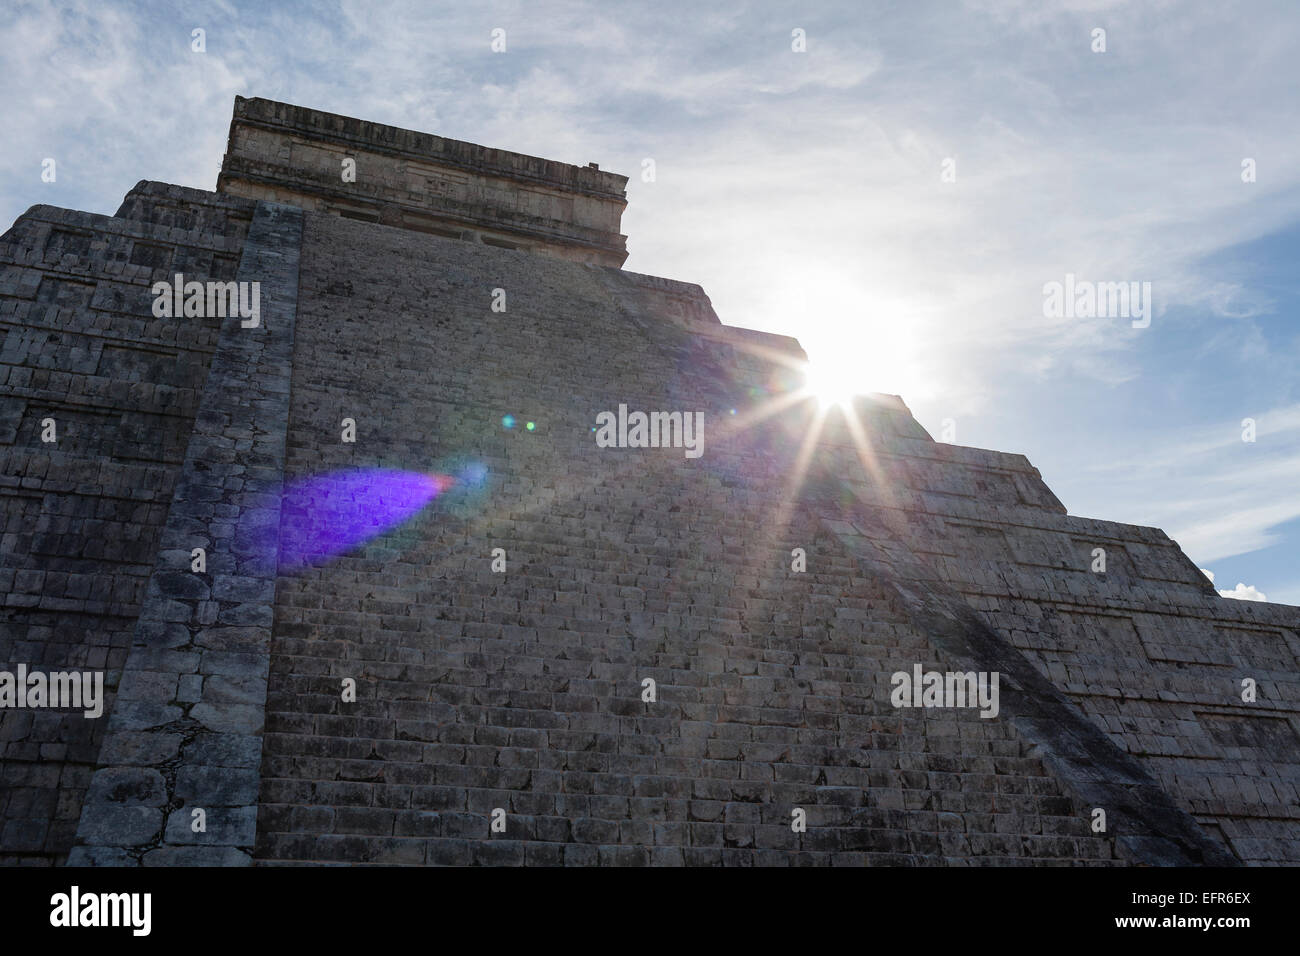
<point x="899" y="195"/>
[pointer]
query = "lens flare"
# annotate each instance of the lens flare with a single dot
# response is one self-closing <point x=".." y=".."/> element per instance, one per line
<point x="834" y="381"/>
<point x="327" y="515"/>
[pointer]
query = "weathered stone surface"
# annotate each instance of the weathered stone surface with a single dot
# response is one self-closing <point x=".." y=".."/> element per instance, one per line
<point x="522" y="690"/>
<point x="135" y="748"/>
<point x="128" y="786"/>
<point x="224" y="750"/>
<point x="216" y="786"/>
<point x="81" y="518"/>
<point x="244" y="399"/>
<point x="100" y="856"/>
<point x="197" y="856"/>
<point x="224" y="826"/>
<point x="118" y="826"/>
<point x="416" y="181"/>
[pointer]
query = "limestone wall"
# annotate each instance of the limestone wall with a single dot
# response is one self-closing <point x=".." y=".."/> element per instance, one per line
<point x="81" y="515"/>
<point x="423" y="182"/>
<point x="1146" y="649"/>
<point x="522" y="691"/>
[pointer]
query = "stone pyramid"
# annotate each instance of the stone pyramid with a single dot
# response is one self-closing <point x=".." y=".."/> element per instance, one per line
<point x="366" y="585"/>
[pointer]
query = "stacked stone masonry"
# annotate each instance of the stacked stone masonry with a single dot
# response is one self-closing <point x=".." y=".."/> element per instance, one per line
<point x="374" y="173"/>
<point x="186" y="732"/>
<point x="522" y="691"/>
<point x="82" y="515"/>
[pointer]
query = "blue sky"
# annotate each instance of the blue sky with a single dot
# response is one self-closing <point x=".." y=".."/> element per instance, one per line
<point x="804" y="192"/>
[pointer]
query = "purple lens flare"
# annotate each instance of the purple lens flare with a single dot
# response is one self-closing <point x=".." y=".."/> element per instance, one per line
<point x="326" y="515"/>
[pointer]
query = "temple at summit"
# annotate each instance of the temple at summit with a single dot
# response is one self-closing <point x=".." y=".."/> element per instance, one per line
<point x="364" y="587"/>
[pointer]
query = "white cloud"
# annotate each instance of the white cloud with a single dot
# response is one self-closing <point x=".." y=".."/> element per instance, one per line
<point x="1244" y="592"/>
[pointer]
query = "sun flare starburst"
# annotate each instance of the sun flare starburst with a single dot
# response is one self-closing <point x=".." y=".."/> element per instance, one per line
<point x="832" y="383"/>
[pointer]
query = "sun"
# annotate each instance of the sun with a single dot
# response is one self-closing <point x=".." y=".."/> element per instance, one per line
<point x="853" y="362"/>
<point x="834" y="379"/>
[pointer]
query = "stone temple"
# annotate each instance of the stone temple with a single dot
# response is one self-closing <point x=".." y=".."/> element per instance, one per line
<point x="363" y="587"/>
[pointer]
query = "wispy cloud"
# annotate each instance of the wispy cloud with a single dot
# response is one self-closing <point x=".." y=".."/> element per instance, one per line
<point x="1215" y="493"/>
